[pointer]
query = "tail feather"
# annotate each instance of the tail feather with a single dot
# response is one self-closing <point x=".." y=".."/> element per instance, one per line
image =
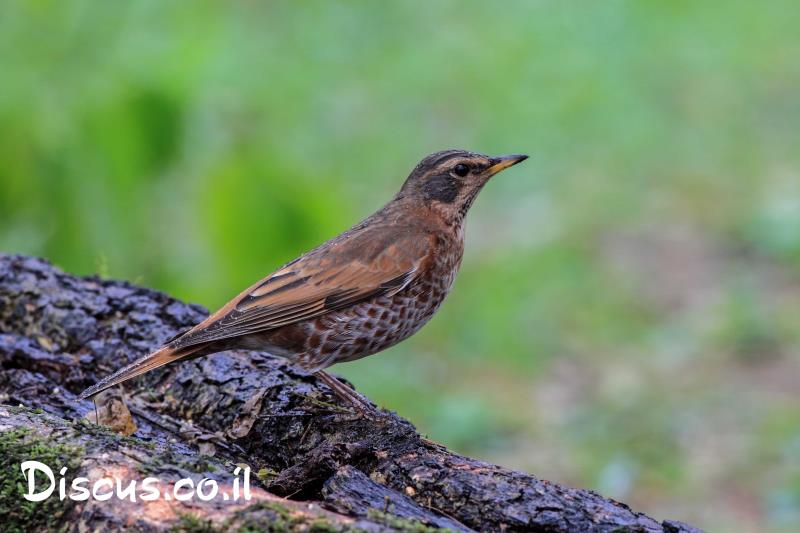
<point x="160" y="357"/>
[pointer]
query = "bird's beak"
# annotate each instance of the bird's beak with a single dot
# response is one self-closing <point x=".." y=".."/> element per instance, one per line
<point x="505" y="161"/>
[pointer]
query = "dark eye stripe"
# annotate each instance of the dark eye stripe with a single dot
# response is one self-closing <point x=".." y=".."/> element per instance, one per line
<point x="442" y="188"/>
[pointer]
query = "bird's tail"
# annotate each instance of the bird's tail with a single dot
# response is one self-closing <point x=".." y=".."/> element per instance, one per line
<point x="160" y="357"/>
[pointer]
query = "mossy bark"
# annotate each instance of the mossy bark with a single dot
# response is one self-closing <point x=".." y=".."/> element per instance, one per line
<point x="318" y="466"/>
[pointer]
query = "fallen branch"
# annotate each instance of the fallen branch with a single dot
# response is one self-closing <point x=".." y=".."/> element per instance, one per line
<point x="61" y="333"/>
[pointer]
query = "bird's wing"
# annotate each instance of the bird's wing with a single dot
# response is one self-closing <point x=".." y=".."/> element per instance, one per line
<point x="336" y="275"/>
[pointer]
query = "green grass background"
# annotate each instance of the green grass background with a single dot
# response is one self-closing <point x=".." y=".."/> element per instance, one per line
<point x="627" y="315"/>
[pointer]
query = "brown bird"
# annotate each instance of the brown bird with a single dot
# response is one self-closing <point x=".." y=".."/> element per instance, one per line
<point x="371" y="287"/>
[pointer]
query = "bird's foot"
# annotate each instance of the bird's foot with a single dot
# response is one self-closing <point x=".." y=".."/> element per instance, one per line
<point x="361" y="405"/>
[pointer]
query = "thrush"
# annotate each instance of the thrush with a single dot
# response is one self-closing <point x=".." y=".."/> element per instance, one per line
<point x="361" y="292"/>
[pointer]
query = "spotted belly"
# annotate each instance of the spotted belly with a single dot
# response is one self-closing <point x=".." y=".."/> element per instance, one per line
<point x="362" y="329"/>
<point x="371" y="326"/>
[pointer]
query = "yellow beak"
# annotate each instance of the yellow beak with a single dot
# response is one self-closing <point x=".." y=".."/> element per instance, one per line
<point x="505" y="161"/>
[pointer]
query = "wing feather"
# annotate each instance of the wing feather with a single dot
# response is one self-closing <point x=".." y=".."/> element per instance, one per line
<point x="324" y="280"/>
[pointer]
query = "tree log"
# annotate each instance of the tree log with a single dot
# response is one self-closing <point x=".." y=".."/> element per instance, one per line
<point x="315" y="463"/>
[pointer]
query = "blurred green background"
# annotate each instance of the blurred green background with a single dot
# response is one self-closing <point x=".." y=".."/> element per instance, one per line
<point x="627" y="314"/>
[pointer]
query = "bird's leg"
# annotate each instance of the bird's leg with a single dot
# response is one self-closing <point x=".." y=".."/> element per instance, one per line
<point x="344" y="392"/>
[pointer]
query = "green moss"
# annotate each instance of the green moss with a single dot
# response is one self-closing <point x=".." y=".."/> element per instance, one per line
<point x="19" y="514"/>
<point x="320" y="525"/>
<point x="189" y="523"/>
<point x="98" y="430"/>
<point x="200" y="463"/>
<point x="266" y="473"/>
<point x="401" y="524"/>
<point x="279" y="518"/>
<point x="314" y="399"/>
<point x="24" y="409"/>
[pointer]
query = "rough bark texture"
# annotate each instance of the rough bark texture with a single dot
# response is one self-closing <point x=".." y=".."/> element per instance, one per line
<point x="319" y="466"/>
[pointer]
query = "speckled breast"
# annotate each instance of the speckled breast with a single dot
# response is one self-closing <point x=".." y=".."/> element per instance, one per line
<point x="372" y="326"/>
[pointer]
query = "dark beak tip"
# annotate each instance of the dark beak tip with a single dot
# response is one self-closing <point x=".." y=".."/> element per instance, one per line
<point x="512" y="159"/>
<point x="506" y="161"/>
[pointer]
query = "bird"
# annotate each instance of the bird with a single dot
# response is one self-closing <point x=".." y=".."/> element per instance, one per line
<point x="355" y="295"/>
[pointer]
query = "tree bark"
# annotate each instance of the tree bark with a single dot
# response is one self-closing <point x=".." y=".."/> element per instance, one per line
<point x="315" y="463"/>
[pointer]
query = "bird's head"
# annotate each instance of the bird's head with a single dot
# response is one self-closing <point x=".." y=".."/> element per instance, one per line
<point x="448" y="181"/>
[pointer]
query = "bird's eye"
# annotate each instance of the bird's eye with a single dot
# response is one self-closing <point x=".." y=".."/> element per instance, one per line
<point x="461" y="170"/>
